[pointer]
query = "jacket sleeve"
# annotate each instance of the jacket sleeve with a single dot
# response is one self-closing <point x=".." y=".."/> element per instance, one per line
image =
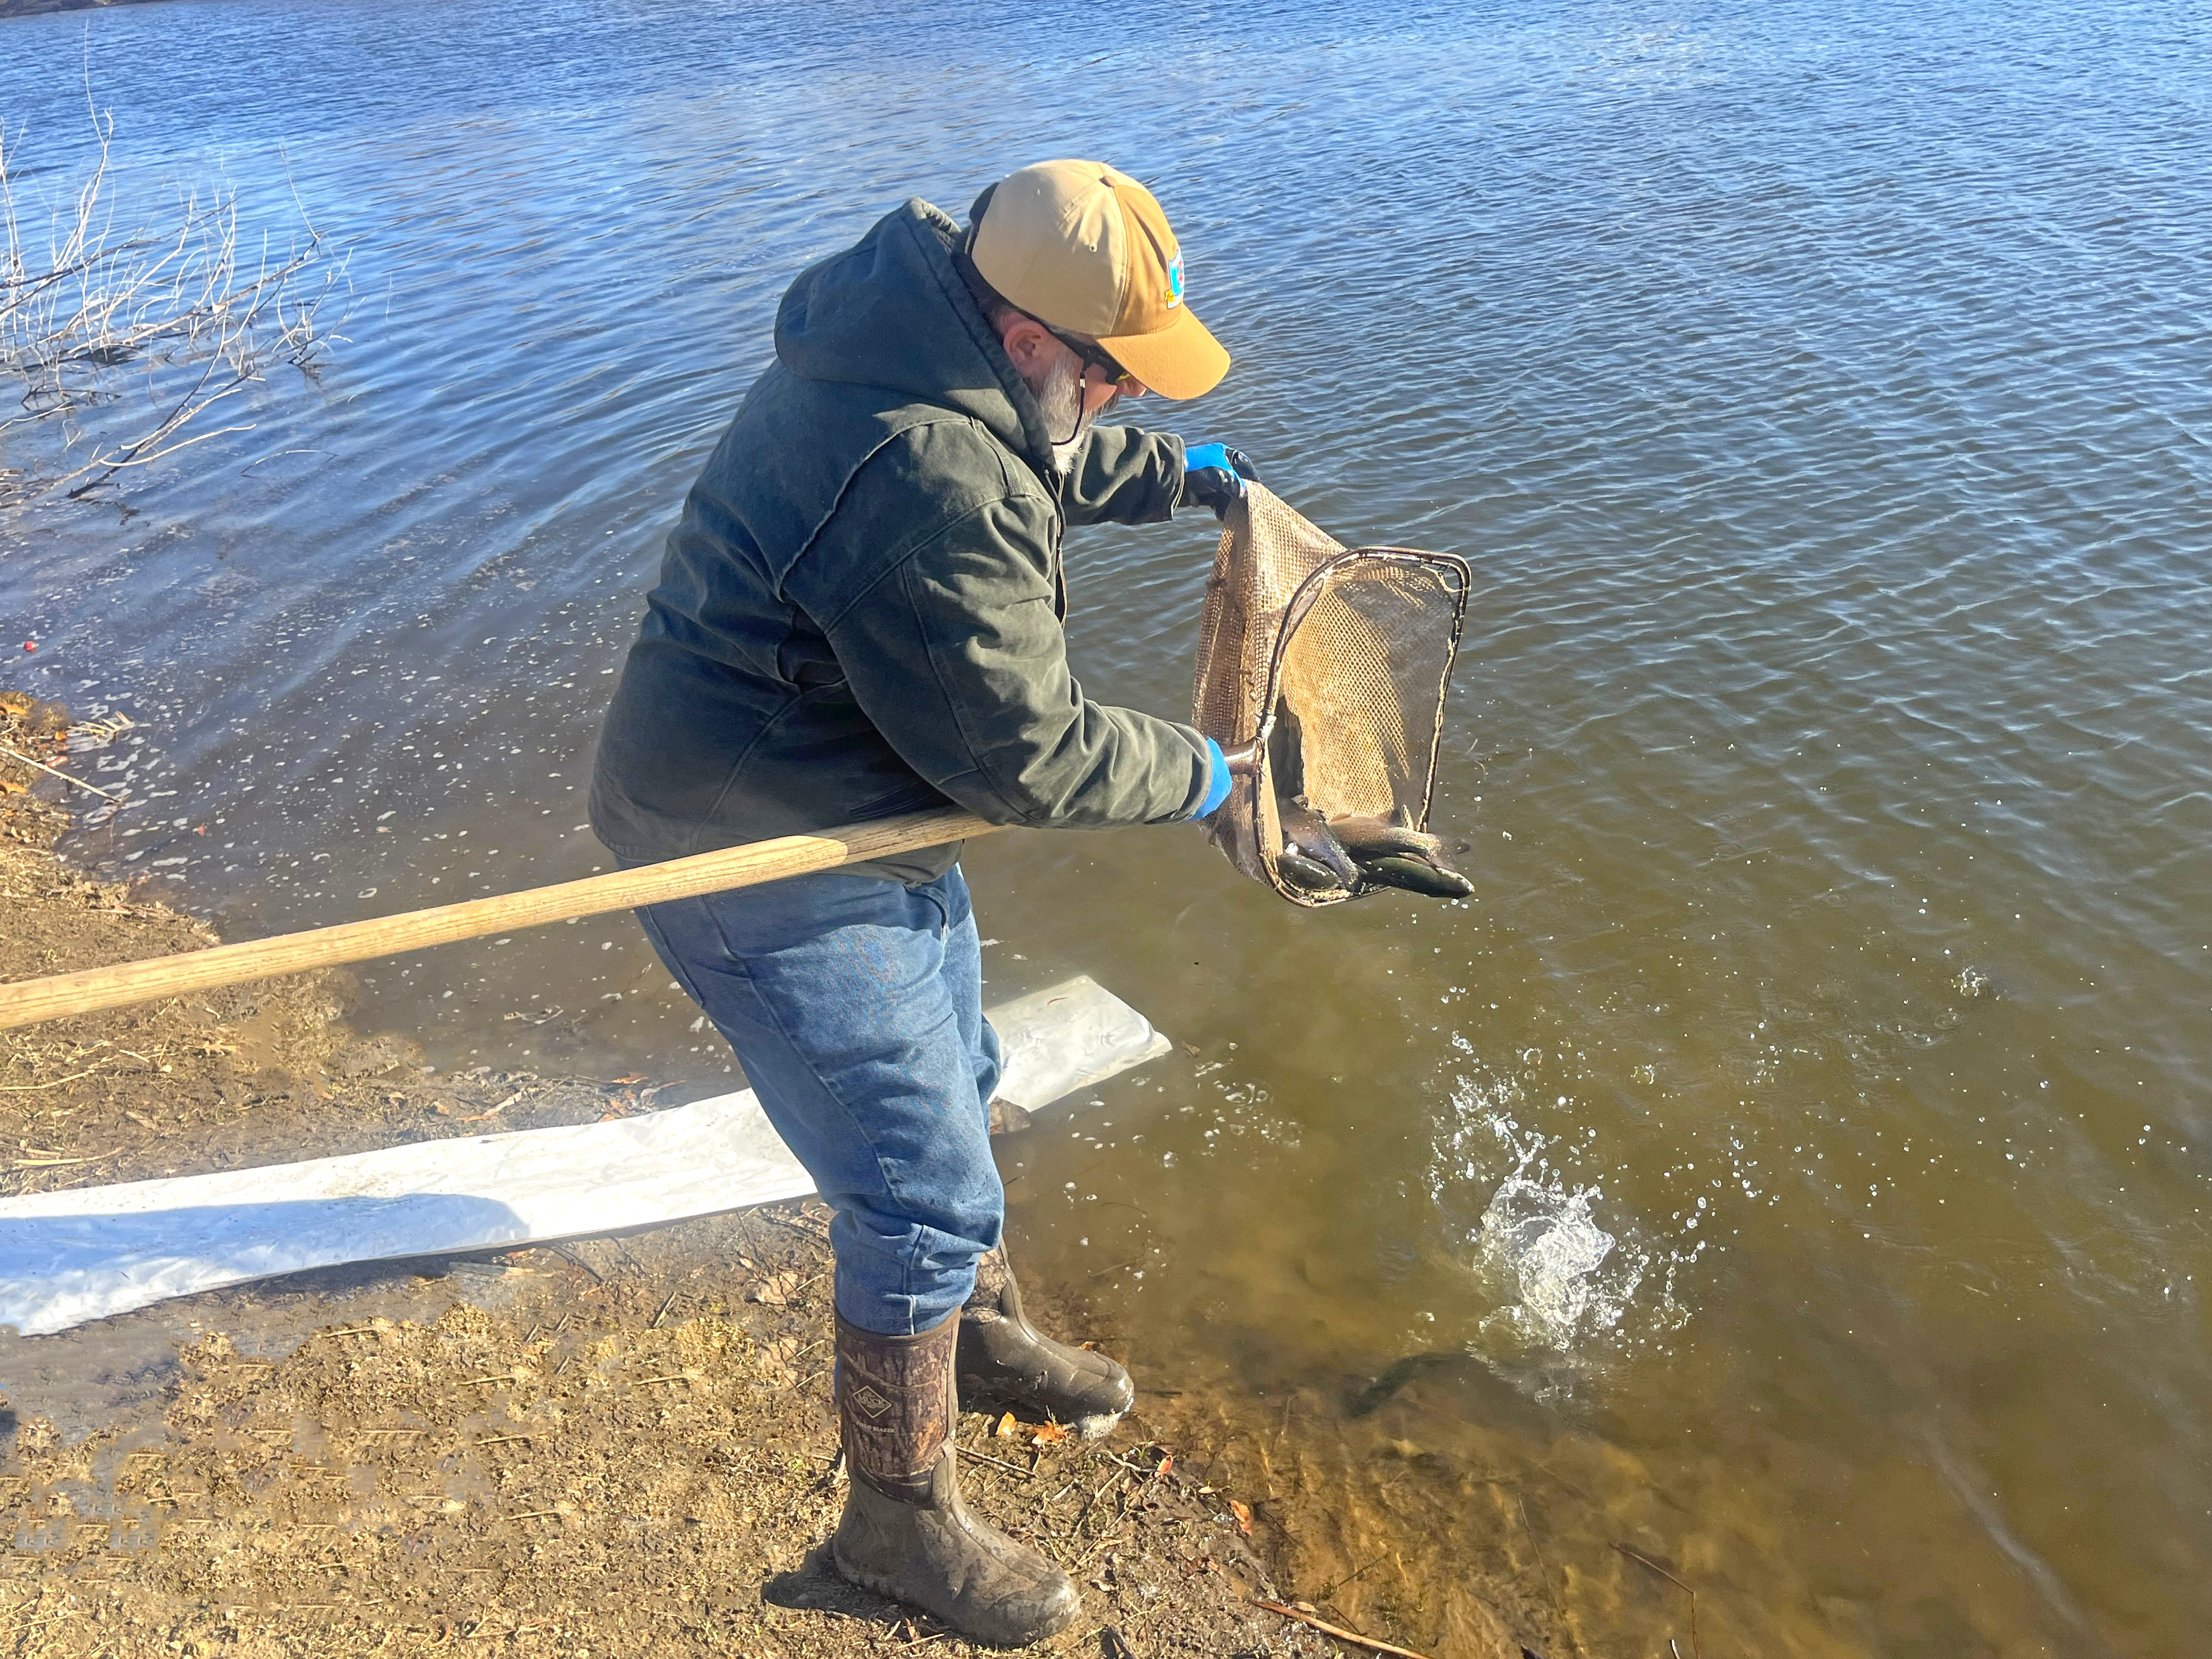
<point x="1124" y="475"/>
<point x="955" y="654"/>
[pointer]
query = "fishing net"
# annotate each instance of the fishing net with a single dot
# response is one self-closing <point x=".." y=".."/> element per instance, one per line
<point x="1334" y="662"/>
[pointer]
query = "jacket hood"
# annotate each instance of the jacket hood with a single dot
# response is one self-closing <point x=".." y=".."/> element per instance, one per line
<point x="891" y="312"/>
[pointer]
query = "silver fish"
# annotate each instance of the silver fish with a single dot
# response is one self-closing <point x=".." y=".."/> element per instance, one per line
<point x="1286" y="759"/>
<point x="1303" y="873"/>
<point x="1374" y="838"/>
<point x="1305" y="831"/>
<point x="1416" y="876"/>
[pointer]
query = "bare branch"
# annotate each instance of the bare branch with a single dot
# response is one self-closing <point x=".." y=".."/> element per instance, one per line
<point x="171" y="299"/>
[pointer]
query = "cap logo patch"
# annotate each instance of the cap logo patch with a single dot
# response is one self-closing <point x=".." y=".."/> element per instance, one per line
<point x="1175" y="282"/>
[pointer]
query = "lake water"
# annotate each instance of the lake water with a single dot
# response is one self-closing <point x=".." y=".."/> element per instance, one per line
<point x="1793" y="1166"/>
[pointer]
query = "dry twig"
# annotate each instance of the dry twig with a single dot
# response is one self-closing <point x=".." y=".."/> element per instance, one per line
<point x="1338" y="1631"/>
<point x="50" y="1082"/>
<point x="1696" y="1647"/>
<point x="13" y="753"/>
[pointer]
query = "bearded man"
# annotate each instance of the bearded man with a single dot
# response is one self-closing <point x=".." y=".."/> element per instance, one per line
<point x="858" y="615"/>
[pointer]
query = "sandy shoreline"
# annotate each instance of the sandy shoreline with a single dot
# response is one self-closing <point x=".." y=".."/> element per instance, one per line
<point x="617" y="1447"/>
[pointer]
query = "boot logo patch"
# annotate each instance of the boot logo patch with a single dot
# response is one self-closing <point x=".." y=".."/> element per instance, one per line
<point x="869" y="1400"/>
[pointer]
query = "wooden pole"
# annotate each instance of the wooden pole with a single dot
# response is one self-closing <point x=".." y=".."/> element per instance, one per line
<point x="28" y="1001"/>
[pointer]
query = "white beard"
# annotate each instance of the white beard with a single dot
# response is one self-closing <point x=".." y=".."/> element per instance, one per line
<point x="1060" y="399"/>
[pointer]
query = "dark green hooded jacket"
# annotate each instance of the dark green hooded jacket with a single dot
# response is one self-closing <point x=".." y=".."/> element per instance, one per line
<point x="859" y="613"/>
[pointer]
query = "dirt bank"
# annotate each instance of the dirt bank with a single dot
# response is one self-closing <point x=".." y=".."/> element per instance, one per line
<point x="605" y="1449"/>
<point x="650" y="1470"/>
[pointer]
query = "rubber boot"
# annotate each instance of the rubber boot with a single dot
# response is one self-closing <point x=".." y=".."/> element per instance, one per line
<point x="905" y="1532"/>
<point x="1007" y="1364"/>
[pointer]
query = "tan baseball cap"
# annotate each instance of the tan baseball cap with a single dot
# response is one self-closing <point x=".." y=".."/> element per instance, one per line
<point x="1085" y="248"/>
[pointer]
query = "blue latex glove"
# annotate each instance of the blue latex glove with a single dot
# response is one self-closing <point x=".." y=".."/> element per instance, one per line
<point x="1214" y="475"/>
<point x="1217" y="791"/>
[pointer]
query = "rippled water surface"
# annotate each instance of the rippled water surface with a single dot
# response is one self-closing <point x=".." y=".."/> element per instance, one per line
<point x="1793" y="1165"/>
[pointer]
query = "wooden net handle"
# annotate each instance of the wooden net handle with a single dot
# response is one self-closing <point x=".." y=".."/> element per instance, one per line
<point x="28" y="1001"/>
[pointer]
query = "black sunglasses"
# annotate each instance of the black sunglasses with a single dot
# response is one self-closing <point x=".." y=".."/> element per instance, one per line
<point x="1091" y="353"/>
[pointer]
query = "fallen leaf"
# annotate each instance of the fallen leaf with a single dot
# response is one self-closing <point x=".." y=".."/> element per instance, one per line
<point x="638" y="1078"/>
<point x="1049" y="1434"/>
<point x="1007" y="1428"/>
<point x="1243" y="1516"/>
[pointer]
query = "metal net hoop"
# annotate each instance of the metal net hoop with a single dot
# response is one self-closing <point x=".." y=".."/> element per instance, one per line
<point x="1350" y="650"/>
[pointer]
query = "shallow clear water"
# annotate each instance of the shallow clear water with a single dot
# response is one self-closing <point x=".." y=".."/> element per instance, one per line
<point x="1793" y="1165"/>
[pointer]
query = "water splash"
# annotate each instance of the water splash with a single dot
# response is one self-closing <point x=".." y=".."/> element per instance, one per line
<point x="1564" y="1287"/>
<point x="1563" y="1277"/>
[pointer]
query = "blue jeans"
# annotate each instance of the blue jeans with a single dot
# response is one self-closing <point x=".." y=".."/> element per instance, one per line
<point x="855" y="1006"/>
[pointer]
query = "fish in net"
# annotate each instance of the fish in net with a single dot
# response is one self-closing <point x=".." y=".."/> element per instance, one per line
<point x="1333" y="663"/>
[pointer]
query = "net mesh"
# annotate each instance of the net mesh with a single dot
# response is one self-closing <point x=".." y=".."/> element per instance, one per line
<point x="1335" y="661"/>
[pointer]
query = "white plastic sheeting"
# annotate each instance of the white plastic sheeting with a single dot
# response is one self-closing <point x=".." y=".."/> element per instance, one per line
<point x="69" y="1257"/>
